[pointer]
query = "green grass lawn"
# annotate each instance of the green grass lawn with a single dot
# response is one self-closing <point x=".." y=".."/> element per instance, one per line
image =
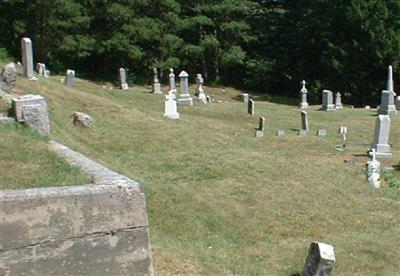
<point x="26" y="162"/>
<point x="223" y="202"/>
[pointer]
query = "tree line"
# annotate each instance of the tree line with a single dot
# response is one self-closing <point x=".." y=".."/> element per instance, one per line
<point x="268" y="46"/>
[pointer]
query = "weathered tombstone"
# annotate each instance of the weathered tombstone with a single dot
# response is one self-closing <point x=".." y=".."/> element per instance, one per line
<point x="172" y="85"/>
<point x="302" y="132"/>
<point x="156" y="83"/>
<point x="250" y="107"/>
<point x="184" y="97"/>
<point x="8" y="78"/>
<point x="245" y="97"/>
<point x="320" y="260"/>
<point x="303" y="92"/>
<point x="304" y="121"/>
<point x="32" y="111"/>
<point x="397" y="103"/>
<point x="27" y="58"/>
<point x="171" y="110"/>
<point x="70" y="78"/>
<point x="122" y="78"/>
<point x="321" y="132"/>
<point x="381" y="139"/>
<point x="82" y="119"/>
<point x="387" y="106"/>
<point x="343" y="130"/>
<point x="338" y="101"/>
<point x="41" y="69"/>
<point x="261" y="127"/>
<point x="374" y="170"/>
<point x="327" y="101"/>
<point x="199" y="89"/>
<point x="280" y="133"/>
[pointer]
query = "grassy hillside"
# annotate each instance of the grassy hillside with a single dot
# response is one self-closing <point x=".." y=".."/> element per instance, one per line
<point x="26" y="162"/>
<point x="223" y="202"/>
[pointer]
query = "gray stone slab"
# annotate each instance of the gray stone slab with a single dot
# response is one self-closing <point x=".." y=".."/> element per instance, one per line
<point x="8" y="77"/>
<point x="304" y="121"/>
<point x="321" y="132"/>
<point x="302" y="132"/>
<point x="381" y="137"/>
<point x="280" y="132"/>
<point x="251" y="107"/>
<point x="320" y="260"/>
<point x="327" y="101"/>
<point x="32" y="110"/>
<point x="27" y="58"/>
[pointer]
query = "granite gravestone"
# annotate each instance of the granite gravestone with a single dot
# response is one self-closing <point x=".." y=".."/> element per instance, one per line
<point x="250" y="107"/>
<point x="184" y="97"/>
<point x="320" y="260"/>
<point x="156" y="82"/>
<point x="170" y="107"/>
<point x="122" y="79"/>
<point x="327" y="101"/>
<point x="32" y="111"/>
<point x="338" y="101"/>
<point x="261" y="127"/>
<point x="304" y="121"/>
<point x="199" y="89"/>
<point x="27" y="58"/>
<point x="303" y="96"/>
<point x="70" y="78"/>
<point x="381" y="138"/>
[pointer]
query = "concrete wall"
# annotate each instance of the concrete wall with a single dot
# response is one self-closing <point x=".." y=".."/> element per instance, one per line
<point x="99" y="228"/>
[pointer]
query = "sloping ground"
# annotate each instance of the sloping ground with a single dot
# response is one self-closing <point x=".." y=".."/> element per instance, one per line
<point x="221" y="201"/>
<point x="26" y="162"/>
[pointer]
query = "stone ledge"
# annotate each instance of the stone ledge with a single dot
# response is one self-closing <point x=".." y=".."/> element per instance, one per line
<point x="42" y="228"/>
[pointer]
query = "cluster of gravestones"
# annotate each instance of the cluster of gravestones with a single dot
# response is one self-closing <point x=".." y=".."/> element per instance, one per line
<point x="172" y="100"/>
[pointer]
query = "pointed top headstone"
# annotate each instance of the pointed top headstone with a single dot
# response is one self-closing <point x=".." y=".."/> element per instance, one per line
<point x="183" y="74"/>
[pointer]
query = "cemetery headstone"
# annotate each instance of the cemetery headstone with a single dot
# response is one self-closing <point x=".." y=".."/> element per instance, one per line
<point x="250" y="107"/>
<point x="320" y="260"/>
<point x="304" y="121"/>
<point x="41" y="69"/>
<point x="8" y="78"/>
<point x="261" y="127"/>
<point x="343" y="129"/>
<point x="245" y="97"/>
<point x="387" y="106"/>
<point x="321" y="132"/>
<point x="123" y="79"/>
<point x="327" y="101"/>
<point x="303" y="92"/>
<point x="184" y="97"/>
<point x="199" y="89"/>
<point x="70" y="78"/>
<point x="302" y="132"/>
<point x="27" y="58"/>
<point x="32" y="111"/>
<point x="374" y="170"/>
<point x="280" y="133"/>
<point x="172" y="85"/>
<point x="338" y="101"/>
<point x="381" y="138"/>
<point x="170" y="106"/>
<point x="156" y="83"/>
<point x="397" y="103"/>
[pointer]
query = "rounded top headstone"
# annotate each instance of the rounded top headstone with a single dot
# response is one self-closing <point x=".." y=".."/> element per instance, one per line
<point x="183" y="74"/>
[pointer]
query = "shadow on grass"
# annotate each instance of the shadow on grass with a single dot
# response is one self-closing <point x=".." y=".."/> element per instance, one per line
<point x="296" y="274"/>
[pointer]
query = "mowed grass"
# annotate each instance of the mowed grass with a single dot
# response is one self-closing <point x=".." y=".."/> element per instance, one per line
<point x="26" y="162"/>
<point x="222" y="202"/>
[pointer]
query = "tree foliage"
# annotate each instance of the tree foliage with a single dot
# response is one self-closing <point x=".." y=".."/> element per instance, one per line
<point x="263" y="45"/>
